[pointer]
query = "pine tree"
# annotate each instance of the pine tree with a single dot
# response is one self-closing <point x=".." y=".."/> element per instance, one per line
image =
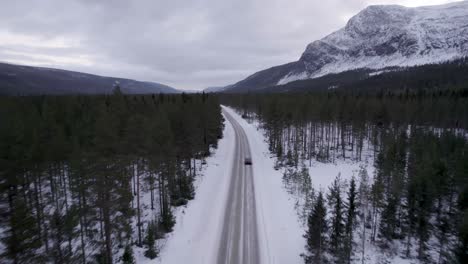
<point x="388" y="220"/>
<point x="350" y="220"/>
<point x="151" y="252"/>
<point x="423" y="224"/>
<point x="461" y="250"/>
<point x="337" y="228"/>
<point x="363" y="205"/>
<point x="307" y="191"/>
<point x="315" y="236"/>
<point x="410" y="211"/>
<point x="127" y="257"/>
<point x="21" y="238"/>
<point x="376" y="197"/>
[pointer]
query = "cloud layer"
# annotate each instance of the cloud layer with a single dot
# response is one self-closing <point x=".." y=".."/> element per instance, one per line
<point x="188" y="44"/>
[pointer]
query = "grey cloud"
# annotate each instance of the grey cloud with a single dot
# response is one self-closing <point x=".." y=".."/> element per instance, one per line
<point x="187" y="44"/>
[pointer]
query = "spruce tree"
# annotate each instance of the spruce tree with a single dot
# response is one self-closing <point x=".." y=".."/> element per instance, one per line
<point x="388" y="220"/>
<point x="151" y="252"/>
<point x="350" y="220"/>
<point x="461" y="250"/>
<point x="127" y="257"/>
<point x="363" y="205"/>
<point x="337" y="230"/>
<point x="316" y="234"/>
<point x="21" y="239"/>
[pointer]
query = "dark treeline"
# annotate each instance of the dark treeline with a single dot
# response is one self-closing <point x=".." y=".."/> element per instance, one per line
<point x="441" y="108"/>
<point x="430" y="77"/>
<point x="74" y="171"/>
<point x="415" y="203"/>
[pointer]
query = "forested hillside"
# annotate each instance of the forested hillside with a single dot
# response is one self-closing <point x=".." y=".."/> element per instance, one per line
<point x="28" y="80"/>
<point x="421" y="78"/>
<point x="74" y="171"/>
<point x="412" y="209"/>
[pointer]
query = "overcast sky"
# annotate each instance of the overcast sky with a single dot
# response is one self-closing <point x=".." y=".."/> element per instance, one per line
<point x="188" y="44"/>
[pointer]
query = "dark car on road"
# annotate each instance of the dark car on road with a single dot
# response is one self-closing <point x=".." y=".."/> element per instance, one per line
<point x="248" y="161"/>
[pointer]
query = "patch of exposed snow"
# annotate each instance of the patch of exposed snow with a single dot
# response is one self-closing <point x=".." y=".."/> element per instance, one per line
<point x="376" y="73"/>
<point x="376" y="62"/>
<point x="323" y="174"/>
<point x="293" y="77"/>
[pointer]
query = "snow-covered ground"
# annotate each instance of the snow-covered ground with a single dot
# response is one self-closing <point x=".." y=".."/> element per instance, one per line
<point x="323" y="174"/>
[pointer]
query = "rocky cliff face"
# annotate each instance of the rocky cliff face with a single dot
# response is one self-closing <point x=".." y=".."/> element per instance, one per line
<point x="379" y="37"/>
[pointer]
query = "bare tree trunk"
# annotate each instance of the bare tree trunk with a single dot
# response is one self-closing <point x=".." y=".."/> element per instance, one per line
<point x="138" y="206"/>
<point x="152" y="180"/>
<point x="363" y="238"/>
<point x="83" y="252"/>
<point x="107" y="226"/>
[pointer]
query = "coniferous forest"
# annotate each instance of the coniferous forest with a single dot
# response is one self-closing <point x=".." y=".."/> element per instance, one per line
<point x="413" y="206"/>
<point x="74" y="169"/>
<point x="79" y="174"/>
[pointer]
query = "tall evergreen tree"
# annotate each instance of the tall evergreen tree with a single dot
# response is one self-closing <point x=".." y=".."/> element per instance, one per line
<point x="127" y="257"/>
<point x="350" y="220"/>
<point x="337" y="227"/>
<point x="151" y="252"/>
<point x="316" y="234"/>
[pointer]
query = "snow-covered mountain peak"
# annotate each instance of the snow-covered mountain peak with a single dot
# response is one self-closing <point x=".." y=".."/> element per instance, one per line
<point x="376" y="19"/>
<point x="389" y="35"/>
<point x="378" y="37"/>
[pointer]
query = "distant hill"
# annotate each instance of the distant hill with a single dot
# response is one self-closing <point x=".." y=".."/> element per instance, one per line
<point x="216" y="89"/>
<point x="28" y="80"/>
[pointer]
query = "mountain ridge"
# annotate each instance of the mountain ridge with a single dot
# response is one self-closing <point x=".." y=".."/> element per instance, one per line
<point x="377" y="37"/>
<point x="30" y="80"/>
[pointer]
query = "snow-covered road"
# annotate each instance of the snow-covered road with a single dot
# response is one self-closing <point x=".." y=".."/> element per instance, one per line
<point x="239" y="239"/>
<point x="211" y="229"/>
<point x="280" y="235"/>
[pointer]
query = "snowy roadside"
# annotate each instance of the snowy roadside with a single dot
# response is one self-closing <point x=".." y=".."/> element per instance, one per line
<point x="279" y="213"/>
<point x="199" y="223"/>
<point x="286" y="244"/>
<point x="280" y="232"/>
